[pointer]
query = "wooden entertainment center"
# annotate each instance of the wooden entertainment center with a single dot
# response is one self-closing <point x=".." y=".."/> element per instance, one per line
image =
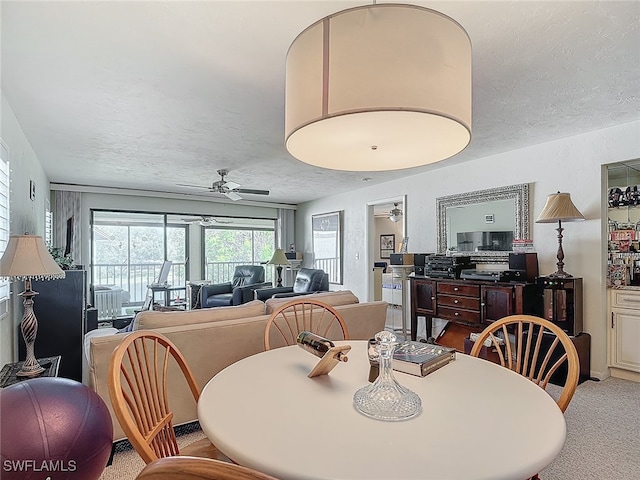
<point x="473" y="303"/>
<point x="470" y="305"/>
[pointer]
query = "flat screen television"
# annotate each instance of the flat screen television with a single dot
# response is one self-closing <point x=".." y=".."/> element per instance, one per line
<point x="484" y="241"/>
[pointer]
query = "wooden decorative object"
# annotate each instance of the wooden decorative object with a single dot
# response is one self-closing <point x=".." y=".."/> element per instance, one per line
<point x="330" y="359"/>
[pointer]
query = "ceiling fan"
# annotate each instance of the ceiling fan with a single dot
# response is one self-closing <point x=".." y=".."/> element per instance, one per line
<point x="230" y="189"/>
<point x="206" y="220"/>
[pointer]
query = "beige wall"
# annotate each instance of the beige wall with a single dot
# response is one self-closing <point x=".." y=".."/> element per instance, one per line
<point x="570" y="164"/>
<point x="384" y="226"/>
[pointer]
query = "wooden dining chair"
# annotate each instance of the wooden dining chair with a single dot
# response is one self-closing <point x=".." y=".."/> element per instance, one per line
<point x="138" y="388"/>
<point x="193" y="468"/>
<point x="535" y="348"/>
<point x="301" y="315"/>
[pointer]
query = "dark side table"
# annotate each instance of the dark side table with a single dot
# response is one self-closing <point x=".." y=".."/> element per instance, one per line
<point x="8" y="372"/>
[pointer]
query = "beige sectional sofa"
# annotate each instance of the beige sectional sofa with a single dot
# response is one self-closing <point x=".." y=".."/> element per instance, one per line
<point x="213" y="338"/>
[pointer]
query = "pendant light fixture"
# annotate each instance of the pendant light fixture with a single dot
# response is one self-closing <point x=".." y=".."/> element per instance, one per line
<point x="395" y="215"/>
<point x="378" y="87"/>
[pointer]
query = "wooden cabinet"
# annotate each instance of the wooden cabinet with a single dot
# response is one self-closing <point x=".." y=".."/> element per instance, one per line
<point x="624" y="334"/>
<point x="468" y="302"/>
<point x="499" y="302"/>
<point x="423" y="302"/>
<point x="458" y="301"/>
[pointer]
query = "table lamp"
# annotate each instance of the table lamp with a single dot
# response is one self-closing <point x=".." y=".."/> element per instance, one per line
<point x="279" y="259"/>
<point x="27" y="258"/>
<point x="559" y="208"/>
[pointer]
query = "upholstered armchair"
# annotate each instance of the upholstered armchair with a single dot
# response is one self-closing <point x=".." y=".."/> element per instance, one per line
<point x="308" y="280"/>
<point x="246" y="279"/>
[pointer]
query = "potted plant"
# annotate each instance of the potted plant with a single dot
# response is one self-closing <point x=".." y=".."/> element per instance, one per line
<point x="64" y="260"/>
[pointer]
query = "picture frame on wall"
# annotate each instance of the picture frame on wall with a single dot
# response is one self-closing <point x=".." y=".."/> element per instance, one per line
<point x="387" y="245"/>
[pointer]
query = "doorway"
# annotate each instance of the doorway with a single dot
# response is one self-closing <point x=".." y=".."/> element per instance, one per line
<point x="386" y="228"/>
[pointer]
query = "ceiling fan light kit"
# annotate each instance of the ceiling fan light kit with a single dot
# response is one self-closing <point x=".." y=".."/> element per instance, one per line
<point x="378" y="87"/>
<point x="395" y="215"/>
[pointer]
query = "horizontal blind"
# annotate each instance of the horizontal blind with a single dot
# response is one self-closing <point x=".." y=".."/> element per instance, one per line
<point x="4" y="222"/>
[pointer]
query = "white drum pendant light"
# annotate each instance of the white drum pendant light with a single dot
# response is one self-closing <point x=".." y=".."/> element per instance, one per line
<point x="379" y="87"/>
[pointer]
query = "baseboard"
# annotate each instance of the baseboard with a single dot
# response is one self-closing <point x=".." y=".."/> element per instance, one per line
<point x="625" y="374"/>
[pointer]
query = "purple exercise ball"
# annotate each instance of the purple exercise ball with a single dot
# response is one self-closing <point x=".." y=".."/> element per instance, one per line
<point x="53" y="428"/>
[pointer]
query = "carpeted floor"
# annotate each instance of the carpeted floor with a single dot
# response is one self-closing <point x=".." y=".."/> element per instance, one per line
<point x="603" y="439"/>
<point x="603" y="443"/>
<point x="127" y="463"/>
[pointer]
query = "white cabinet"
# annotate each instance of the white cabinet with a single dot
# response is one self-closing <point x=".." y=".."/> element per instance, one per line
<point x="624" y="334"/>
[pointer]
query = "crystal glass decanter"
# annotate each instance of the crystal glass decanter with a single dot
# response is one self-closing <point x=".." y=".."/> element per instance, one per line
<point x="386" y="399"/>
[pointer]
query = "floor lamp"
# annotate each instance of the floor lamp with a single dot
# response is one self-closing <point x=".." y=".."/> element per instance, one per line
<point x="27" y="258"/>
<point x="279" y="259"/>
<point x="559" y="208"/>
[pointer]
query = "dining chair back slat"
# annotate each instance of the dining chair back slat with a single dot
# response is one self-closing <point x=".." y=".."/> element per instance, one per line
<point x="536" y="349"/>
<point x="300" y="315"/>
<point x="138" y="387"/>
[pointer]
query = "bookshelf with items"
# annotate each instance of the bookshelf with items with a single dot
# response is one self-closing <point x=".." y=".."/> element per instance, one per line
<point x="623" y="269"/>
<point x="623" y="212"/>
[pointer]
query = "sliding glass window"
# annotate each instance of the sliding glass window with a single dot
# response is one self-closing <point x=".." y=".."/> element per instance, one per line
<point x="245" y="242"/>
<point x="128" y="250"/>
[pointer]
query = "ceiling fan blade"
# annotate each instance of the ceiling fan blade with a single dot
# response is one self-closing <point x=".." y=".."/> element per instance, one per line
<point x="233" y="196"/>
<point x="231" y="185"/>
<point x="251" y="191"/>
<point x="194" y="186"/>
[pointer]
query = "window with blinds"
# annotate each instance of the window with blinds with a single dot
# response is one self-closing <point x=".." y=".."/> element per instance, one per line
<point x="4" y="223"/>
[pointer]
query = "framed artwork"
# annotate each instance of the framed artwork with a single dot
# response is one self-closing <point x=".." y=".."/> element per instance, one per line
<point x="327" y="244"/>
<point x="387" y="245"/>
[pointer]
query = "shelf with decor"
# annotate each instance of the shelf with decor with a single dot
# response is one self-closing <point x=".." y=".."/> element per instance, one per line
<point x="623" y="200"/>
<point x="623" y="269"/>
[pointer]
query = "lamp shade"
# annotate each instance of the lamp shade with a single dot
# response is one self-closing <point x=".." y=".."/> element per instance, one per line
<point x="559" y="207"/>
<point x="378" y="87"/>
<point x="27" y="257"/>
<point x="279" y="258"/>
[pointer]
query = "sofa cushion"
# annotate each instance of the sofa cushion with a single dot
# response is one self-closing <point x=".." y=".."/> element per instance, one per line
<point x="150" y="320"/>
<point x="341" y="297"/>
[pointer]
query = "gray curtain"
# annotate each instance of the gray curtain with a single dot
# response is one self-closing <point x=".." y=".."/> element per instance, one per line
<point x="66" y="223"/>
<point x="285" y="230"/>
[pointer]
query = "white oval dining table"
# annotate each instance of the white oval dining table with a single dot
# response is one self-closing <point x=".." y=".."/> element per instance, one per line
<point x="478" y="421"/>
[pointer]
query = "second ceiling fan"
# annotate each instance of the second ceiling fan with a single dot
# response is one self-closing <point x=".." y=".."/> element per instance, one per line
<point x="229" y="189"/>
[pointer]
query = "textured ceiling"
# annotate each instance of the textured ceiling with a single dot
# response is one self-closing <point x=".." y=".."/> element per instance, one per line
<point x="147" y="95"/>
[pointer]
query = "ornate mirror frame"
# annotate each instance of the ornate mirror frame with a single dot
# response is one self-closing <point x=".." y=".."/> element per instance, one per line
<point x="520" y="195"/>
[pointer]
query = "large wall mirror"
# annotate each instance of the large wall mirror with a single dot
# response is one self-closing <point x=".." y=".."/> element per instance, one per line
<point x="484" y="222"/>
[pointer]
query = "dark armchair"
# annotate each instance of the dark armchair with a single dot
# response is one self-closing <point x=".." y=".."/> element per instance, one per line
<point x="246" y="279"/>
<point x="308" y="280"/>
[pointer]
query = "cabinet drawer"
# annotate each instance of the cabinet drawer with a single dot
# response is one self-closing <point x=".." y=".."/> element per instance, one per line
<point x="468" y="303"/>
<point x="451" y="313"/>
<point x="625" y="299"/>
<point x="457" y="289"/>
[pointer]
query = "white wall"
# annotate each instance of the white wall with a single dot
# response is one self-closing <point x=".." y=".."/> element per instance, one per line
<point x="26" y="215"/>
<point x="571" y="165"/>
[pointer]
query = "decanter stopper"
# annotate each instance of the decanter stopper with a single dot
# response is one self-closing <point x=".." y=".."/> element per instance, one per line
<point x="386" y="399"/>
